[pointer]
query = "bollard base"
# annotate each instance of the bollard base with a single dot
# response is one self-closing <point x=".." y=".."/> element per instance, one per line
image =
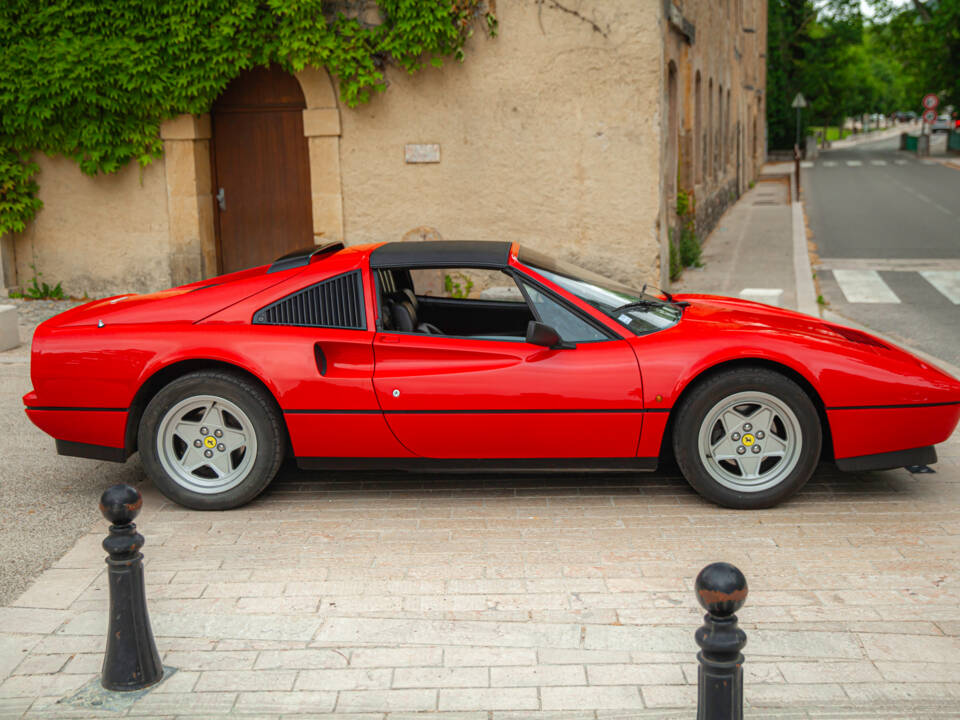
<point x="94" y="696"/>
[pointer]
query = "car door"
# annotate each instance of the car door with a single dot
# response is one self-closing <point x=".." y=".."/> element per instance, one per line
<point x="462" y="397"/>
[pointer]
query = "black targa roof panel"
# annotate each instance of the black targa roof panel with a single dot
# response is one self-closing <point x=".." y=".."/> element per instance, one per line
<point x="442" y="253"/>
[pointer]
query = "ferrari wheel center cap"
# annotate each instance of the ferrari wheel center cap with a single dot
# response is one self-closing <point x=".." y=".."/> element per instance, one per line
<point x="210" y="441"/>
<point x="748" y="440"/>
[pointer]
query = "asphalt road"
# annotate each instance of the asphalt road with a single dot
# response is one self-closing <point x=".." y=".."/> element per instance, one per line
<point x="887" y="230"/>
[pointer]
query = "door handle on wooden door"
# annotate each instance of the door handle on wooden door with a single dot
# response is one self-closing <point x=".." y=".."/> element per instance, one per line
<point x="222" y="199"/>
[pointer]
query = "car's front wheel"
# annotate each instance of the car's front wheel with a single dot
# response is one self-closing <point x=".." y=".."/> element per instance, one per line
<point x="747" y="438"/>
<point x="211" y="440"/>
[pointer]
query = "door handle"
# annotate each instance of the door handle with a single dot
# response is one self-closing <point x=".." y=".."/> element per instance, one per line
<point x="320" y="358"/>
<point x="222" y="199"/>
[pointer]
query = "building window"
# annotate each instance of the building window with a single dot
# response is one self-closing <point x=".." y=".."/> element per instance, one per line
<point x="709" y="147"/>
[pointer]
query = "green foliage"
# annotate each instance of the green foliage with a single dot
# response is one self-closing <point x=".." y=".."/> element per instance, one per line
<point x="18" y="190"/>
<point x="923" y="38"/>
<point x="685" y="251"/>
<point x="93" y="79"/>
<point x="41" y="290"/>
<point x="689" y="248"/>
<point x="675" y="265"/>
<point x="456" y="288"/>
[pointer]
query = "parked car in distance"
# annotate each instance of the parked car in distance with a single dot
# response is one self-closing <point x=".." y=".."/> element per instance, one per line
<point x="905" y="115"/>
<point x="355" y="357"/>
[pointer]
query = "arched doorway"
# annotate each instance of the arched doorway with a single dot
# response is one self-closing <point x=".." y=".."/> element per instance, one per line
<point x="261" y="169"/>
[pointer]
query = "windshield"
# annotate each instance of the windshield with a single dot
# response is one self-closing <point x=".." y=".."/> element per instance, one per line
<point x="640" y="312"/>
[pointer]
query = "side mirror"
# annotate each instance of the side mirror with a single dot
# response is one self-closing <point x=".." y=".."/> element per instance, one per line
<point x="540" y="334"/>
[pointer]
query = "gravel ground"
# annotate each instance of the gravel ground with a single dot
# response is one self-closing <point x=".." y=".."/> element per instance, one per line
<point x="46" y="501"/>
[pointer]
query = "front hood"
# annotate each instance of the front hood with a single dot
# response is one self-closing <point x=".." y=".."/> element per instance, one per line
<point x="185" y="304"/>
<point x="746" y="315"/>
<point x="762" y="327"/>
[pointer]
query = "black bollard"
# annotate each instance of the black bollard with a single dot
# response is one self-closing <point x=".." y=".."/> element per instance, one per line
<point x="721" y="590"/>
<point x="131" y="661"/>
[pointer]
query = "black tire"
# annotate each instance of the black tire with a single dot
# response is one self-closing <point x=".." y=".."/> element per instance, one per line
<point x="259" y="408"/>
<point x="705" y="397"/>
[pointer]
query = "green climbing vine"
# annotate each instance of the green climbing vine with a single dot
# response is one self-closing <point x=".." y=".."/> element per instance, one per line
<point x="93" y="79"/>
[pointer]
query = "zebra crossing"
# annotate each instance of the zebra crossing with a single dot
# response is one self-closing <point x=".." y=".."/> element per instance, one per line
<point x="861" y="282"/>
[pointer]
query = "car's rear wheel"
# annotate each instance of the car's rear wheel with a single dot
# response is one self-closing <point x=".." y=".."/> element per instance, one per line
<point x="747" y="438"/>
<point x="211" y="440"/>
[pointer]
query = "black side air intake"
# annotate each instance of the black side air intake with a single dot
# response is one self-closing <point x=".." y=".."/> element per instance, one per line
<point x="334" y="303"/>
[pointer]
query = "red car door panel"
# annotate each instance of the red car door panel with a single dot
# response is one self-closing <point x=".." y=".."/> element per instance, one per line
<point x="449" y="397"/>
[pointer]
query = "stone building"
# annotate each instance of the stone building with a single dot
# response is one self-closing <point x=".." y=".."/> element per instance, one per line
<point x="567" y="132"/>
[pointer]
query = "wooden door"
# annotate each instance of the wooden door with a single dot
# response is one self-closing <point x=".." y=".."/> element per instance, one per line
<point x="261" y="170"/>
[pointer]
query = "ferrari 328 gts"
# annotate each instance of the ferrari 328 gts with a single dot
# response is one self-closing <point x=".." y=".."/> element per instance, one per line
<point x="472" y="355"/>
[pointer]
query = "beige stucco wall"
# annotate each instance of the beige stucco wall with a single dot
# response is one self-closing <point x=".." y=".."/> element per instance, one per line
<point x="549" y="135"/>
<point x="97" y="235"/>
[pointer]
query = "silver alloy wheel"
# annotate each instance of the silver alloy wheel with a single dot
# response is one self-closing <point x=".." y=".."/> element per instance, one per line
<point x="750" y="441"/>
<point x="206" y="444"/>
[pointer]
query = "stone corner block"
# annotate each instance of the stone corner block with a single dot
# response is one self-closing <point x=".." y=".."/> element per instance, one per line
<point x="321" y="122"/>
<point x="186" y="127"/>
<point x="9" y="334"/>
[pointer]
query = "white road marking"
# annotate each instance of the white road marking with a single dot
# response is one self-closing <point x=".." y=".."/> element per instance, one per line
<point x="854" y="163"/>
<point x="900" y="162"/>
<point x="829" y="163"/>
<point x="807" y="164"/>
<point x="878" y="162"/>
<point x="929" y="162"/>
<point x="946" y="282"/>
<point x="864" y="286"/>
<point x="890" y="264"/>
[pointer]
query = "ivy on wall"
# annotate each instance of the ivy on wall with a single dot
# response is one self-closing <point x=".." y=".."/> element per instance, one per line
<point x="93" y="79"/>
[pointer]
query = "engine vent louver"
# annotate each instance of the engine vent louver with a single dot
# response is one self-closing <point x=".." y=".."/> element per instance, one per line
<point x="336" y="303"/>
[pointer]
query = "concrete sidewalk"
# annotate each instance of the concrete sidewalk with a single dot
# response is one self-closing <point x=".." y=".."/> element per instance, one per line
<point x="759" y="243"/>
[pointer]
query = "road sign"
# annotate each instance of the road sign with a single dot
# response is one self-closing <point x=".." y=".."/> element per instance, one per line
<point x="929" y="116"/>
<point x="930" y="101"/>
<point x="799" y="101"/>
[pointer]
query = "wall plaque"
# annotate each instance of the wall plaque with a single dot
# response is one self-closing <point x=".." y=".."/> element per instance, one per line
<point x="421" y="153"/>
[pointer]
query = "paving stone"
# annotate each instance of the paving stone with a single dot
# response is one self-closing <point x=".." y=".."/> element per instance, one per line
<point x="537" y="675"/>
<point x="219" y="660"/>
<point x="56" y="588"/>
<point x="489" y="699"/>
<point x="454" y="633"/>
<point x="386" y="700"/>
<point x="199" y="704"/>
<point x="299" y="702"/>
<point x="41" y="664"/>
<point x="228" y="680"/>
<point x="344" y="679"/>
<point x="451" y="677"/>
<point x="621" y="697"/>
<point x="16" y="620"/>
<point x="396" y="657"/>
<point x="646" y="674"/>
<point x="470" y="656"/>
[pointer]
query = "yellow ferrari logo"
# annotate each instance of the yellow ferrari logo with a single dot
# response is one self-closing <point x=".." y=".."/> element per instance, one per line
<point x="210" y="441"/>
<point x="749" y="440"/>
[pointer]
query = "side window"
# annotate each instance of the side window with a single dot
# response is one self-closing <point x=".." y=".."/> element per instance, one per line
<point x="571" y="328"/>
<point x="333" y="303"/>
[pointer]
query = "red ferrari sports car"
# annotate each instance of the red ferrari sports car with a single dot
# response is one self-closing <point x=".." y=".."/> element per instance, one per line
<point x="472" y="355"/>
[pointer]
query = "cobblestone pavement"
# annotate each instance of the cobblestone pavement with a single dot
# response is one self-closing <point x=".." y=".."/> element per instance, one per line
<point x="499" y="597"/>
<point x="517" y="596"/>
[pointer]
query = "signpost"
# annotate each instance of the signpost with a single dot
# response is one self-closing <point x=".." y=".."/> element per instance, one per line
<point x="930" y="103"/>
<point x="799" y="102"/>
